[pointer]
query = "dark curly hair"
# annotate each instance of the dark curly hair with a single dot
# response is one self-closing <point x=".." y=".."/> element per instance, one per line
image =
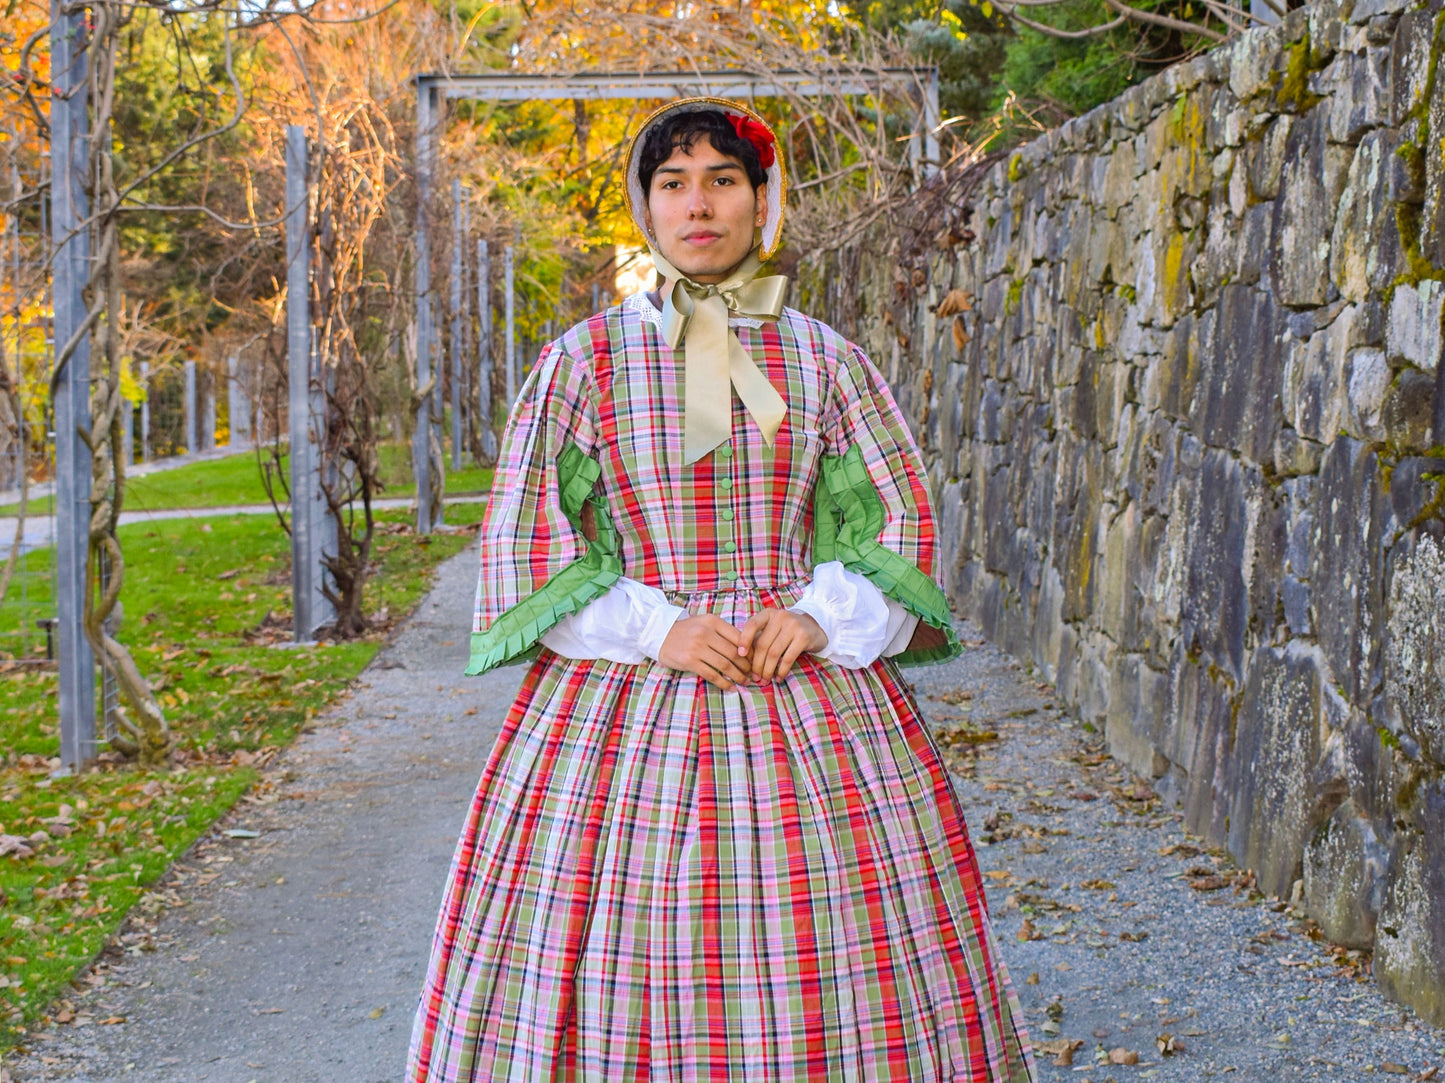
<point x="680" y="130"/>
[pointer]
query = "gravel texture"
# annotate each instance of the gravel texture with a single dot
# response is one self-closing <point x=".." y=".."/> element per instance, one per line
<point x="296" y="956"/>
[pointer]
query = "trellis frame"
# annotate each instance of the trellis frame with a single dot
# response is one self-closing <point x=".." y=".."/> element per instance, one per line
<point x="434" y="90"/>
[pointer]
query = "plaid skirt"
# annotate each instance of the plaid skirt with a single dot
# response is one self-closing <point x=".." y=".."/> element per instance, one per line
<point x="658" y="880"/>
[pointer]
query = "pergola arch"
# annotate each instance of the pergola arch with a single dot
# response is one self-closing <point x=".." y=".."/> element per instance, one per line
<point x="434" y="90"/>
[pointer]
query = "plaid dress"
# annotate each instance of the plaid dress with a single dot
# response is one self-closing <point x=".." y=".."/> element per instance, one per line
<point x="659" y="880"/>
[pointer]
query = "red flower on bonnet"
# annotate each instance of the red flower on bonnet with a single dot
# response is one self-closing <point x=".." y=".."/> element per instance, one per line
<point x="756" y="134"/>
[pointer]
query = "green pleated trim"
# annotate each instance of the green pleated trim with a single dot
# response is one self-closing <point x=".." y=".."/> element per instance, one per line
<point x="847" y="518"/>
<point x="513" y="636"/>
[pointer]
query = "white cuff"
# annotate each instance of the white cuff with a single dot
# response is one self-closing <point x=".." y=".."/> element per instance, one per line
<point x="862" y="624"/>
<point x="626" y="625"/>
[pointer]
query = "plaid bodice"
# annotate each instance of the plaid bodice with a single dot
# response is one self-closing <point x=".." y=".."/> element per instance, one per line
<point x="740" y="519"/>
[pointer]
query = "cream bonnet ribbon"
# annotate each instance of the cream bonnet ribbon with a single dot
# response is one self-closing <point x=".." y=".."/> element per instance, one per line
<point x="696" y="315"/>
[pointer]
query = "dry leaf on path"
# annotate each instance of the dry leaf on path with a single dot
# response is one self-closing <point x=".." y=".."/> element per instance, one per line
<point x="1123" y="1056"/>
<point x="1061" y="1050"/>
<point x="1182" y="849"/>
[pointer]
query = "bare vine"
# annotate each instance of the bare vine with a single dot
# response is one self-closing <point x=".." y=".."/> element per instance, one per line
<point x="142" y="730"/>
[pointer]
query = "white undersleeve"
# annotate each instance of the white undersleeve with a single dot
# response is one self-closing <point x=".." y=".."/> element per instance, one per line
<point x="629" y="623"/>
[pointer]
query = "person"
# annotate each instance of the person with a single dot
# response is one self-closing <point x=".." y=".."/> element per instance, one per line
<point x="714" y="839"/>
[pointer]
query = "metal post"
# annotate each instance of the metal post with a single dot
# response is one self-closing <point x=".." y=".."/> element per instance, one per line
<point x="238" y="405"/>
<point x="931" y="119"/>
<point x="596" y="298"/>
<point x="127" y="426"/>
<point x="484" y="351"/>
<point x="510" y="286"/>
<point x="69" y="209"/>
<point x="465" y="397"/>
<point x="420" y="440"/>
<point x="145" y="412"/>
<point x="305" y="569"/>
<point x="208" y="416"/>
<point x="438" y="412"/>
<point x="324" y="472"/>
<point x="456" y="325"/>
<point x="192" y="444"/>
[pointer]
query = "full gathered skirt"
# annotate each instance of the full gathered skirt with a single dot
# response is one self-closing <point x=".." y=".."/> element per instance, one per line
<point x="659" y="880"/>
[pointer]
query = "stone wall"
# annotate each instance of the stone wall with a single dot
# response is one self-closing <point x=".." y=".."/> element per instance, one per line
<point x="1181" y="440"/>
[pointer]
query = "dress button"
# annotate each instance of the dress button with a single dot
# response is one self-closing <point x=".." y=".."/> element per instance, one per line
<point x="725" y="483"/>
<point x="731" y="547"/>
<point x="727" y="513"/>
<point x="731" y="576"/>
<point x="726" y="451"/>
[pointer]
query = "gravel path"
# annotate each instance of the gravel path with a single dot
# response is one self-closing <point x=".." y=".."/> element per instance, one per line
<point x="295" y="956"/>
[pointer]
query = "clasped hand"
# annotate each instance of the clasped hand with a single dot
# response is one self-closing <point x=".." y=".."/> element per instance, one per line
<point x="764" y="648"/>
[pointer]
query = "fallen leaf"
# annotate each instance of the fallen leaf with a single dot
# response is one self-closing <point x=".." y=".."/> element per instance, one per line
<point x="112" y="1021"/>
<point x="1098" y="885"/>
<point x="1391" y="1068"/>
<point x="1061" y="1050"/>
<point x="1032" y="979"/>
<point x="16" y="845"/>
<point x="960" y="333"/>
<point x="1169" y="1045"/>
<point x="954" y="301"/>
<point x="1123" y="1056"/>
<point x="1209" y="883"/>
<point x="1183" y="849"/>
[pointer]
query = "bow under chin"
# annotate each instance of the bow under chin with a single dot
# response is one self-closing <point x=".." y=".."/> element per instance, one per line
<point x="695" y="315"/>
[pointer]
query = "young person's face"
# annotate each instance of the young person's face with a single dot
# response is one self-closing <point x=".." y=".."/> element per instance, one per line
<point x="701" y="211"/>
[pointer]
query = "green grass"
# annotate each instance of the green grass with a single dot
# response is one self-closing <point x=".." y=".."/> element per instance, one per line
<point x="236" y="479"/>
<point x="31" y="596"/>
<point x="203" y="599"/>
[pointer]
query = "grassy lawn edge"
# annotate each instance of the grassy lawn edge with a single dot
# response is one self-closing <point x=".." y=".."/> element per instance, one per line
<point x="213" y="605"/>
